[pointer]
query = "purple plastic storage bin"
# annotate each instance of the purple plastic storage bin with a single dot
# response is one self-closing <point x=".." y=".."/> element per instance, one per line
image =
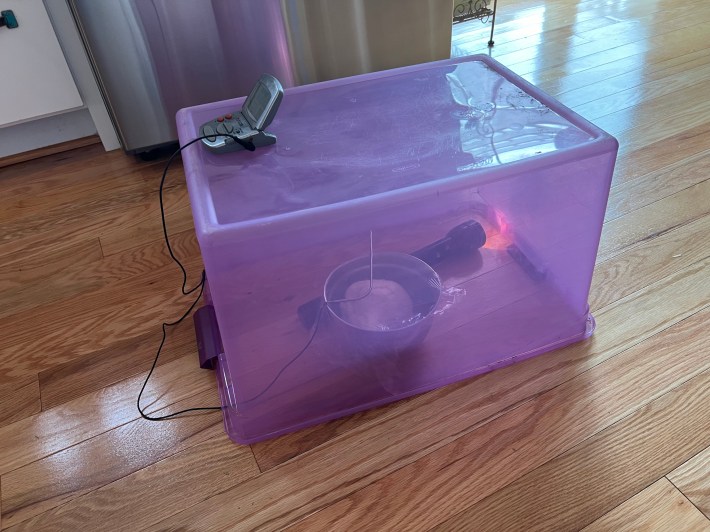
<point x="410" y="228"/>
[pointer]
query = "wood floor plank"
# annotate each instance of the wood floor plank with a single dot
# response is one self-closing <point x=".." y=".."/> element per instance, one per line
<point x="609" y="37"/>
<point x="19" y="398"/>
<point x="636" y="193"/>
<point x="563" y="34"/>
<point x="637" y="20"/>
<point x="119" y="361"/>
<point x="50" y="284"/>
<point x="659" y="507"/>
<point x="517" y="22"/>
<point x="693" y="479"/>
<point x="585" y="71"/>
<point x="673" y="83"/>
<point x="643" y="157"/>
<point x="107" y="179"/>
<point x="271" y="453"/>
<point x="43" y="199"/>
<point x="630" y="56"/>
<point x="77" y="326"/>
<point x="660" y="116"/>
<point x="78" y="180"/>
<point x="588" y="86"/>
<point x="526" y="29"/>
<point x="606" y="32"/>
<point x="478" y="464"/>
<point x="683" y="207"/>
<point x="580" y="486"/>
<point x="22" y="268"/>
<point x="93" y="219"/>
<point x="82" y="468"/>
<point x="95" y="413"/>
<point x="647" y="263"/>
<point x="141" y="499"/>
<point x="27" y="180"/>
<point x="23" y="271"/>
<point x="416" y="427"/>
<point x="146" y="228"/>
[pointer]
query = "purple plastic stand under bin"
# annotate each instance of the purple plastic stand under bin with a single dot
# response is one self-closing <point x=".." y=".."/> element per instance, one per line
<point x="409" y="229"/>
<point x="209" y="345"/>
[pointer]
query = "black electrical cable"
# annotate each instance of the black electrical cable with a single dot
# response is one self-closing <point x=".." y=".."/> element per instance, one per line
<point x="247" y="145"/>
<point x="296" y="357"/>
<point x="200" y="286"/>
<point x="165" y="325"/>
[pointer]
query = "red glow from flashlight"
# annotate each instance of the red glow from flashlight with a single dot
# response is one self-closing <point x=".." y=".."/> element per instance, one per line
<point x="498" y="234"/>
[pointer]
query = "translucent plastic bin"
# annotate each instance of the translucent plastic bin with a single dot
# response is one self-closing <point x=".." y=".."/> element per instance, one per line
<point x="421" y="165"/>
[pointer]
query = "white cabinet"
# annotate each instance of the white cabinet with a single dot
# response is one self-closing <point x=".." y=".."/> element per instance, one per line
<point x="36" y="81"/>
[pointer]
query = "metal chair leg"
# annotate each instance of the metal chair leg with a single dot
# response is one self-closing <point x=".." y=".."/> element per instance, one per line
<point x="493" y="23"/>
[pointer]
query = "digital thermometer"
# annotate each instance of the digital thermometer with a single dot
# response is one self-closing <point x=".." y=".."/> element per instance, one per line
<point x="248" y="124"/>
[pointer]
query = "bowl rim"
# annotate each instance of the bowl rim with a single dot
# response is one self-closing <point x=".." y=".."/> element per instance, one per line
<point x="393" y="254"/>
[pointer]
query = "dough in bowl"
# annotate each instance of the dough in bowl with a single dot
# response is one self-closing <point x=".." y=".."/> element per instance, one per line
<point x="388" y="306"/>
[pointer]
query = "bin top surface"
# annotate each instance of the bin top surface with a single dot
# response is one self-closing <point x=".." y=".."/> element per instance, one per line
<point x="369" y="135"/>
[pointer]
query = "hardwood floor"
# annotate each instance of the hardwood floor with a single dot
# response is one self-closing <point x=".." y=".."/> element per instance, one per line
<point x="612" y="433"/>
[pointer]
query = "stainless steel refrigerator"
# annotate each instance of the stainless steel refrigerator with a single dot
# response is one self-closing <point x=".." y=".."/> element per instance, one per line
<point x="153" y="57"/>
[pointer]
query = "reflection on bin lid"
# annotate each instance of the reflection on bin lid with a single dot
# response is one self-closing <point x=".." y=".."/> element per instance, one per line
<point x="382" y="132"/>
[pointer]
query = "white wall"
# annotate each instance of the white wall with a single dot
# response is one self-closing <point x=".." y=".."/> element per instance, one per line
<point x="36" y="80"/>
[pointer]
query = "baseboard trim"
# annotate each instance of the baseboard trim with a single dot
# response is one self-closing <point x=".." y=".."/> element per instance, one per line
<point x="49" y="150"/>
